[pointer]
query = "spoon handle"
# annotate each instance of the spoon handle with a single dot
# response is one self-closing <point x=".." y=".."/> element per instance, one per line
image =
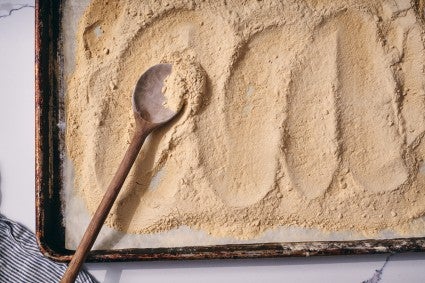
<point x="105" y="205"/>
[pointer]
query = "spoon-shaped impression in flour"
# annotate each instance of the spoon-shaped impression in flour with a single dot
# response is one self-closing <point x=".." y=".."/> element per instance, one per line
<point x="149" y="113"/>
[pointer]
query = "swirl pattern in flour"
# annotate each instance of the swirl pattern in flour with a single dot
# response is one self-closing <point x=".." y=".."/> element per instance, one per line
<point x="297" y="113"/>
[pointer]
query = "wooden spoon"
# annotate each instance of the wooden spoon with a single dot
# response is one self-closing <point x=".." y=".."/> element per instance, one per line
<point x="149" y="114"/>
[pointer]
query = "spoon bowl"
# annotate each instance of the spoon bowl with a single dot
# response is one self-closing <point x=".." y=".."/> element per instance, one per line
<point x="148" y="99"/>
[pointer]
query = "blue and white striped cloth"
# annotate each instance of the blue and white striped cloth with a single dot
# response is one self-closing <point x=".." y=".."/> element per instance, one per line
<point x="21" y="260"/>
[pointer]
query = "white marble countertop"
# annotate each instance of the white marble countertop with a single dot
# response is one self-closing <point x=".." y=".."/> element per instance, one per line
<point x="17" y="191"/>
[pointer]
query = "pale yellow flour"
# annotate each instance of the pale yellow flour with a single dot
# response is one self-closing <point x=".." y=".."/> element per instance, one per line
<point x="176" y="86"/>
<point x="296" y="113"/>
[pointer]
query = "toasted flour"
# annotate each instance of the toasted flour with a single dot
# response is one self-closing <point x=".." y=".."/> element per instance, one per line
<point x="295" y="113"/>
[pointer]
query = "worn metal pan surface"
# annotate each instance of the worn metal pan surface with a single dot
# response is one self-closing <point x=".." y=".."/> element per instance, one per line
<point x="49" y="219"/>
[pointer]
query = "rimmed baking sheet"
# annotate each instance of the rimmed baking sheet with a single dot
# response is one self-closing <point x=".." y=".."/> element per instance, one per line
<point x="62" y="216"/>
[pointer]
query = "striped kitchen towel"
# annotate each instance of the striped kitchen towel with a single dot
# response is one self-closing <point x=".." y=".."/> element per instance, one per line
<point x="21" y="260"/>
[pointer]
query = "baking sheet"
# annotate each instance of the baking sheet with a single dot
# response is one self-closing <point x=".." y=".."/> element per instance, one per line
<point x="49" y="177"/>
<point x="76" y="216"/>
